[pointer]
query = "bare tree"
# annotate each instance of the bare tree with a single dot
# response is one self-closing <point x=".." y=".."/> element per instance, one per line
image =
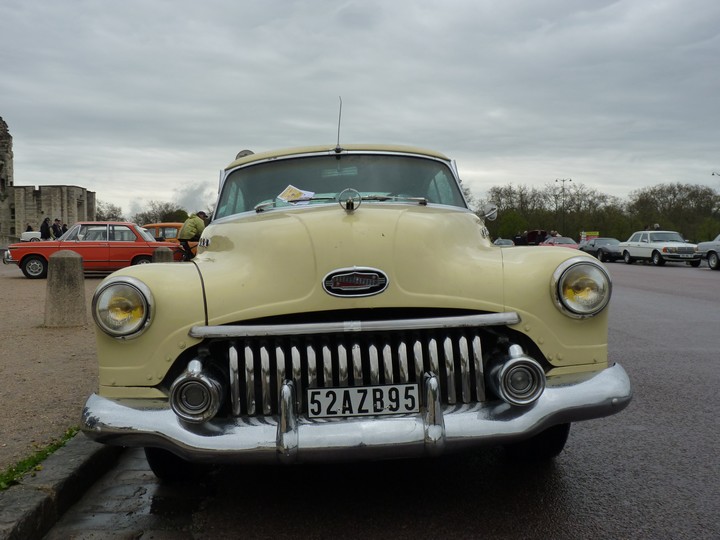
<point x="105" y="211"/>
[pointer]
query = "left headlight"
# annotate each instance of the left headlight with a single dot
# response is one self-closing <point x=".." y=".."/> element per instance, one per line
<point x="122" y="307"/>
<point x="581" y="287"/>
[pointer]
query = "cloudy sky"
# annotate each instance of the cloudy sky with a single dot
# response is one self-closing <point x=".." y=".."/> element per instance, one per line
<point x="146" y="100"/>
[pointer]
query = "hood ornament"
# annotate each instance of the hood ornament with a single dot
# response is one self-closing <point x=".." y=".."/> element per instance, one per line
<point x="355" y="281"/>
<point x="349" y="199"/>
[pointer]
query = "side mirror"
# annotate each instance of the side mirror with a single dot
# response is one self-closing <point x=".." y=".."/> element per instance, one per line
<point x="490" y="211"/>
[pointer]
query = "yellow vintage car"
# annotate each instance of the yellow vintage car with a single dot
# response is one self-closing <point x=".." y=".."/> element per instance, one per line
<point x="346" y="304"/>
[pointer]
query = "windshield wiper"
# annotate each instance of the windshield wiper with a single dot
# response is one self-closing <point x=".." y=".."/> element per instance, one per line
<point x="420" y="200"/>
<point x="261" y="207"/>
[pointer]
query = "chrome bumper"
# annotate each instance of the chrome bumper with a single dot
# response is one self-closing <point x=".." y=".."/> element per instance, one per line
<point x="7" y="258"/>
<point x="290" y="438"/>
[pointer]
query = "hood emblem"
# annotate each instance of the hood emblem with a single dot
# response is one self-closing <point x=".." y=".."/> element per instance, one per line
<point x="356" y="281"/>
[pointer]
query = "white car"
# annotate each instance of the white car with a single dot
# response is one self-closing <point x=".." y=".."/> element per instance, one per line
<point x="659" y="247"/>
<point x="30" y="236"/>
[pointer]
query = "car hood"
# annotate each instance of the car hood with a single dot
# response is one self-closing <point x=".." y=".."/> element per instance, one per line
<point x="274" y="263"/>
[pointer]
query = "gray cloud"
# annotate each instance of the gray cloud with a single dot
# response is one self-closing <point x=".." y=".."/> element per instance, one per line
<point x="146" y="101"/>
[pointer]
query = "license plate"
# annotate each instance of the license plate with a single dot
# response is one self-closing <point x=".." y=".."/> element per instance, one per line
<point x="686" y="256"/>
<point x="363" y="401"/>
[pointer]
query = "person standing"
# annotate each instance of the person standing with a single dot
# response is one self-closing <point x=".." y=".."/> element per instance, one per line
<point x="45" y="233"/>
<point x="190" y="232"/>
<point x="56" y="229"/>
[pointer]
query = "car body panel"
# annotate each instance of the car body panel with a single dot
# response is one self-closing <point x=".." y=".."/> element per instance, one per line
<point x="104" y="246"/>
<point x="351" y="288"/>
<point x="560" y="241"/>
<point x="608" y="247"/>
<point x="643" y="244"/>
<point x="30" y="236"/>
<point x="168" y="232"/>
<point x="709" y="251"/>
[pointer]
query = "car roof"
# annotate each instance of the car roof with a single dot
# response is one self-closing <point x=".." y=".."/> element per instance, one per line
<point x="331" y="148"/>
<point x="103" y="223"/>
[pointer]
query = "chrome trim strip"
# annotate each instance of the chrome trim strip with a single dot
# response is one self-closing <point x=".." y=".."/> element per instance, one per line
<point x="312" y="367"/>
<point x="419" y="361"/>
<point x="297" y="375"/>
<point x="449" y="370"/>
<point x="403" y="361"/>
<point x="234" y="380"/>
<point x="357" y="363"/>
<point x="249" y="378"/>
<point x="433" y="420"/>
<point x="343" y="365"/>
<point x="387" y="364"/>
<point x="479" y="372"/>
<point x="374" y="364"/>
<point x="265" y="380"/>
<point x="568" y="398"/>
<point x="464" y="369"/>
<point x="239" y="331"/>
<point x="434" y="357"/>
<point x="287" y="428"/>
<point x="327" y="366"/>
<point x="282" y="372"/>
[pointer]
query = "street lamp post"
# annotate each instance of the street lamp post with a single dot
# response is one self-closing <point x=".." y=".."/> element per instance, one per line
<point x="563" y="180"/>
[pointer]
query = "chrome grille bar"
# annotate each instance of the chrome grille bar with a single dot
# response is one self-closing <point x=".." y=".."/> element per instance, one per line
<point x="259" y="367"/>
<point x="244" y="331"/>
<point x="250" y="380"/>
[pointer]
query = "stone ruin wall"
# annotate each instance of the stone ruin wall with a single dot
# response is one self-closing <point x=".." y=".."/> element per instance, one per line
<point x="23" y="205"/>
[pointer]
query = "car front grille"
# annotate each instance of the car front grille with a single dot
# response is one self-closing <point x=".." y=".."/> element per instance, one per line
<point x="257" y="365"/>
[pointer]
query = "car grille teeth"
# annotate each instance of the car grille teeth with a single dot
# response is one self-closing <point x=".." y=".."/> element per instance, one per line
<point x="258" y="367"/>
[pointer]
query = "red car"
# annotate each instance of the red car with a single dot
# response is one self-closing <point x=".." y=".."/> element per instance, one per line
<point x="561" y="241"/>
<point x="105" y="246"/>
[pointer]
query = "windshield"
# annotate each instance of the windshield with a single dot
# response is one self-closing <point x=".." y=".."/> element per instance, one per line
<point x="666" y="237"/>
<point x="145" y="234"/>
<point x="305" y="180"/>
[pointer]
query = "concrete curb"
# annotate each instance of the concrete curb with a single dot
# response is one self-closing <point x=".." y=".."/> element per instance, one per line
<point x="30" y="509"/>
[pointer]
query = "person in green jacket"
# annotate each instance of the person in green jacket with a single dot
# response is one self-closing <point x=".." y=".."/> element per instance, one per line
<point x="190" y="232"/>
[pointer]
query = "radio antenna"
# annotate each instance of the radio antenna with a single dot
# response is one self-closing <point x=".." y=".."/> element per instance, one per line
<point x="337" y="147"/>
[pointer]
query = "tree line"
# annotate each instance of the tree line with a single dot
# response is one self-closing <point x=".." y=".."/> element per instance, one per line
<point x="154" y="212"/>
<point x="691" y="209"/>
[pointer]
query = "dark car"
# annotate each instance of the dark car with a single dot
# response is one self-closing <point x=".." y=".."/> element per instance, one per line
<point x="605" y="249"/>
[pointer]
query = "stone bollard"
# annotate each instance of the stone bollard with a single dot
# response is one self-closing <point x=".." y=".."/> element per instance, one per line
<point x="163" y="254"/>
<point x="65" y="296"/>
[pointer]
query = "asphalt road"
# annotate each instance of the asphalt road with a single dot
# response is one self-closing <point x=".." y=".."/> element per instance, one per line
<point x="649" y="472"/>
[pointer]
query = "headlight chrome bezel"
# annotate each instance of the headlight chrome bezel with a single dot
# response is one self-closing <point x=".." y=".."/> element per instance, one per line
<point x="145" y="302"/>
<point x="567" y="270"/>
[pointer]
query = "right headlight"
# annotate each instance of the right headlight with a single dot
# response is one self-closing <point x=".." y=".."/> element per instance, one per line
<point x="122" y="307"/>
<point x="581" y="287"/>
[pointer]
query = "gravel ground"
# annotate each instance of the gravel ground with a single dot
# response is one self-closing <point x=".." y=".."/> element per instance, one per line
<point x="45" y="373"/>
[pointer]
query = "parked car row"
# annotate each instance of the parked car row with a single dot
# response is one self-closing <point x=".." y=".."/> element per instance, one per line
<point x="104" y="246"/>
<point x="168" y="232"/>
<point x="656" y="247"/>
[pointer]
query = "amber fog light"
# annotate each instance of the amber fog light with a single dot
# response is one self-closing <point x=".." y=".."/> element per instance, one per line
<point x="195" y="396"/>
<point x="122" y="307"/>
<point x="520" y="380"/>
<point x="581" y="288"/>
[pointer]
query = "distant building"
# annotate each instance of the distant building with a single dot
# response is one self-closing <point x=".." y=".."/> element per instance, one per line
<point x="21" y="206"/>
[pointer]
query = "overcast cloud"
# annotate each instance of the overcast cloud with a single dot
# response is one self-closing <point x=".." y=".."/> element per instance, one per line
<point x="148" y="100"/>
